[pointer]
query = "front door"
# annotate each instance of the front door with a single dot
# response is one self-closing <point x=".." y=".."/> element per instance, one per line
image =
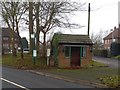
<point x="75" y="56"/>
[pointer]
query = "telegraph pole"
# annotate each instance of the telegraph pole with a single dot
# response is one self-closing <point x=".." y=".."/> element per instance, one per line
<point x="88" y="18"/>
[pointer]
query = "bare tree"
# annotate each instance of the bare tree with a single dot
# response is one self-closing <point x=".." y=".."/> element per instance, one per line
<point x="37" y="7"/>
<point x="97" y="39"/>
<point x="55" y="14"/>
<point x="12" y="13"/>
<point x="31" y="25"/>
<point x="49" y="15"/>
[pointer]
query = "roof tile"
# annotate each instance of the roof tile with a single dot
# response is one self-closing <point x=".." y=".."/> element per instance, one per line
<point x="71" y="38"/>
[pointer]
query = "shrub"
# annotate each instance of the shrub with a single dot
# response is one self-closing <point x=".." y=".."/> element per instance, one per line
<point x="117" y="57"/>
<point x="102" y="53"/>
<point x="115" y="49"/>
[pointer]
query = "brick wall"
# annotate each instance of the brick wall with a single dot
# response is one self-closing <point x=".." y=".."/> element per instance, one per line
<point x="62" y="60"/>
<point x="86" y="60"/>
<point x="65" y="62"/>
<point x="107" y="43"/>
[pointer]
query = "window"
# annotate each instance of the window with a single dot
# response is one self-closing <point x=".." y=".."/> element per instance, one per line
<point x="5" y="38"/>
<point x="105" y="41"/>
<point x="108" y="41"/>
<point x="67" y="54"/>
<point x="16" y="45"/>
<point x="83" y="51"/>
<point x="5" y="45"/>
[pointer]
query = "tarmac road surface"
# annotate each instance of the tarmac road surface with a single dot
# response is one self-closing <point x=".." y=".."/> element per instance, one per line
<point x="14" y="78"/>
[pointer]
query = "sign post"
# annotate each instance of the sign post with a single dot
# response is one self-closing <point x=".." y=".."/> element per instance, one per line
<point x="34" y="50"/>
<point x="48" y="55"/>
<point x="34" y="55"/>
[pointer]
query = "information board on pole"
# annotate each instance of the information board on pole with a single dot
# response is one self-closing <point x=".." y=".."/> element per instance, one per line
<point x="48" y="52"/>
<point x="34" y="53"/>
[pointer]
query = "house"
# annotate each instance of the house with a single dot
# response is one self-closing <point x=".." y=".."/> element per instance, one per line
<point x="114" y="36"/>
<point x="24" y="42"/>
<point x="71" y="50"/>
<point x="6" y="40"/>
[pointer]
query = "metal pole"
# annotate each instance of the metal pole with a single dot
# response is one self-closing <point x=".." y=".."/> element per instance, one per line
<point x="34" y="47"/>
<point x="34" y="51"/>
<point x="88" y="19"/>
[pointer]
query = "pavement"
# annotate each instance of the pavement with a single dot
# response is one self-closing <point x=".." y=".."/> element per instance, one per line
<point x="73" y="80"/>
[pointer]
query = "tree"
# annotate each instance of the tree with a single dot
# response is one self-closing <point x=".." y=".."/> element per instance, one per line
<point x="55" y="14"/>
<point x="31" y="25"/>
<point x="12" y="13"/>
<point x="98" y="48"/>
<point x="37" y="5"/>
<point x="97" y="40"/>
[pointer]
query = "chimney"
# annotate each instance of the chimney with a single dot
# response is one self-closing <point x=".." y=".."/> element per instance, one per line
<point x="111" y="30"/>
<point x="115" y="28"/>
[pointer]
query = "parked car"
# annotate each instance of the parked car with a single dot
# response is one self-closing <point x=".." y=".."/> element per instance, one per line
<point x="26" y="50"/>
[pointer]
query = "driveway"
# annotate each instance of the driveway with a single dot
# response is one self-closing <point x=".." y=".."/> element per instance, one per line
<point x="112" y="63"/>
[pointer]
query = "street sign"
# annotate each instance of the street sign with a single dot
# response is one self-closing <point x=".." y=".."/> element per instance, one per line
<point x="48" y="55"/>
<point x="32" y="35"/>
<point x="34" y="53"/>
<point x="48" y="52"/>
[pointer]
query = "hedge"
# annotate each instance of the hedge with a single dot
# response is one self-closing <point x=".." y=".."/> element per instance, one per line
<point x="115" y="49"/>
<point x="102" y="53"/>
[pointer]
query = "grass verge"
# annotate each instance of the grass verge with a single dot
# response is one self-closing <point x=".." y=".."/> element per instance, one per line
<point x="97" y="64"/>
<point x="111" y="81"/>
<point x="99" y="73"/>
<point x="0" y="61"/>
<point x="117" y="57"/>
<point x="26" y="63"/>
<point x="89" y="74"/>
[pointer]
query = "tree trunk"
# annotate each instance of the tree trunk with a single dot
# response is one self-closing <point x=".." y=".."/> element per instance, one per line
<point x="13" y="37"/>
<point x="22" y="57"/>
<point x="13" y="44"/>
<point x="44" y="45"/>
<point x="37" y="42"/>
<point x="37" y="28"/>
<point x="31" y="25"/>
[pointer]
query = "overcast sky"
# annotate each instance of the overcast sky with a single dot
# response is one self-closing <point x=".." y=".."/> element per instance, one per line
<point x="104" y="16"/>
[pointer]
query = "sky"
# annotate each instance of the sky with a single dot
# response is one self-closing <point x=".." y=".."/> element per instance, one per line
<point x="104" y="16"/>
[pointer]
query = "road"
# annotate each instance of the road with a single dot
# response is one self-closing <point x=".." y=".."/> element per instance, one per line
<point x="112" y="63"/>
<point x="14" y="78"/>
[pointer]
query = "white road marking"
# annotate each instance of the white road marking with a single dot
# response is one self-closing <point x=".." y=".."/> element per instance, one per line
<point x="14" y="84"/>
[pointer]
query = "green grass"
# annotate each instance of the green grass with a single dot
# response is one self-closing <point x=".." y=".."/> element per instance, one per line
<point x="89" y="74"/>
<point x="0" y="60"/>
<point x="94" y="73"/>
<point x="117" y="57"/>
<point x="26" y="63"/>
<point x="97" y="64"/>
<point x="111" y="81"/>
